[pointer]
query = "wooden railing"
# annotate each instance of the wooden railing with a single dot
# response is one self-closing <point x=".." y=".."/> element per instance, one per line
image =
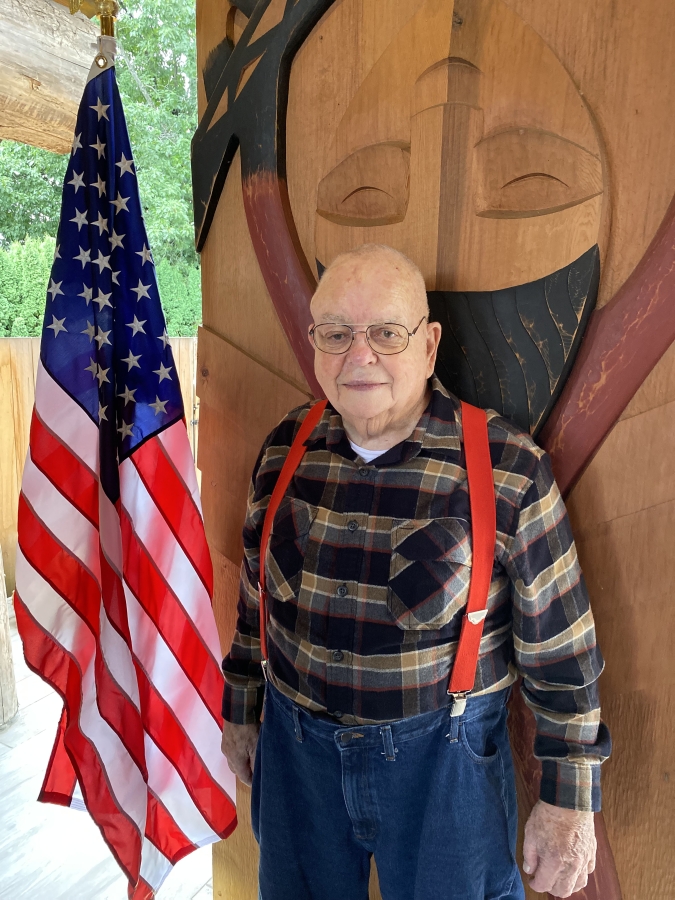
<point x="18" y="368"/>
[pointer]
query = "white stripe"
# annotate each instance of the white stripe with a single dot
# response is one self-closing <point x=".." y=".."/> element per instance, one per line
<point x="166" y="783"/>
<point x="79" y="537"/>
<point x="110" y="531"/>
<point x="66" y="419"/>
<point x="64" y="520"/>
<point x="177" y="445"/>
<point x="56" y="617"/>
<point x="77" y="798"/>
<point x="154" y="865"/>
<point x="167" y="554"/>
<point x="177" y="691"/>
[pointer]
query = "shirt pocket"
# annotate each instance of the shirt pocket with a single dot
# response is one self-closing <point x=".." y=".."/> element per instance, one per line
<point x="287" y="547"/>
<point x="429" y="572"/>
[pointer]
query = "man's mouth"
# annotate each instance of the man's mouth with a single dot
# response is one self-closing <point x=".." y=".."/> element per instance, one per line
<point x="361" y="385"/>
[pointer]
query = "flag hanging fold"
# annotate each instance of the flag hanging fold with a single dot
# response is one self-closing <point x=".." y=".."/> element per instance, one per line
<point x="114" y="578"/>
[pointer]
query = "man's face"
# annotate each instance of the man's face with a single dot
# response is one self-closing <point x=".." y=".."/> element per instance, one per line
<point x="362" y="384"/>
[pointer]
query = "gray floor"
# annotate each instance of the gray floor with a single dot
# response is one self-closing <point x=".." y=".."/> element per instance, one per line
<point x="49" y="852"/>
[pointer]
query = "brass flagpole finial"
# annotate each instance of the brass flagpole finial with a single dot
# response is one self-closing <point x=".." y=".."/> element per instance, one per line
<point x="106" y="10"/>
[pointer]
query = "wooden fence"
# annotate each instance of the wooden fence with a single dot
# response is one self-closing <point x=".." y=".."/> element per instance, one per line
<point x="18" y="369"/>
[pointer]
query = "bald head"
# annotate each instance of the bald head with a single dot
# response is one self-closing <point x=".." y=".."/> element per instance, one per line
<point x="381" y="264"/>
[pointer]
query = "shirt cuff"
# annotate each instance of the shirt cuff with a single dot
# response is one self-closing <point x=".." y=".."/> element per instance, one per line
<point x="571" y="785"/>
<point x="242" y="701"/>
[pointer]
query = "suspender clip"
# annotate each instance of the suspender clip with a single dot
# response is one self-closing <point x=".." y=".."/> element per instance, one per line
<point x="264" y="669"/>
<point x="458" y="702"/>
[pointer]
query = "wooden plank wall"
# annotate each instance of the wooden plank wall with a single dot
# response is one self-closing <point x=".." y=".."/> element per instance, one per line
<point x="18" y="368"/>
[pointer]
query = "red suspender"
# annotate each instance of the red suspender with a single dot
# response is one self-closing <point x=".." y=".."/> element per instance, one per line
<point x="291" y="463"/>
<point x="484" y="536"/>
<point x="483" y="527"/>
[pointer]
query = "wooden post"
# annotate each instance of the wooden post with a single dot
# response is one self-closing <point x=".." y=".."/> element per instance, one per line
<point x="9" y="704"/>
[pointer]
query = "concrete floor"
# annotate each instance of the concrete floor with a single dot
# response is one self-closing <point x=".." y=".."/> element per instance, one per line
<point x="48" y="852"/>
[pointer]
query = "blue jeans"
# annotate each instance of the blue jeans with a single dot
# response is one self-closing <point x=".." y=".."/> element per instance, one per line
<point x="432" y="797"/>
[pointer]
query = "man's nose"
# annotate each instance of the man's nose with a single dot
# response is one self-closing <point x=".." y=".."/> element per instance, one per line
<point x="361" y="353"/>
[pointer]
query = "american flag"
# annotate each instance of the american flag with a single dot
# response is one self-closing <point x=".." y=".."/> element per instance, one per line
<point x="114" y="578"/>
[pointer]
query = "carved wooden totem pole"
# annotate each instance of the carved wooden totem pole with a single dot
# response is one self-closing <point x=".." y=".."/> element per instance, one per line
<point x="523" y="155"/>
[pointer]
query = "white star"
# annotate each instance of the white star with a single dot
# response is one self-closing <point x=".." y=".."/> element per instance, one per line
<point x="99" y="147"/>
<point x="102" y="336"/>
<point x="132" y="361"/>
<point x="101" y="412"/>
<point x="101" y="109"/>
<point x="102" y="262"/>
<point x="77" y="181"/>
<point x="114" y="276"/>
<point x="103" y="300"/>
<point x="92" y="367"/>
<point x="57" y="255"/>
<point x="100" y="185"/>
<point x="128" y="395"/>
<point x="76" y="143"/>
<point x="101" y="223"/>
<point x="164" y="338"/>
<point x="116" y="240"/>
<point x="126" y="430"/>
<point x="145" y="254"/>
<point x="55" y="288"/>
<point x="141" y="290"/>
<point x="125" y="165"/>
<point x="57" y="325"/>
<point x="136" y="326"/>
<point x="89" y="331"/>
<point x="84" y="256"/>
<point x="162" y="372"/>
<point x="120" y="203"/>
<point x="159" y="405"/>
<point x="86" y="293"/>
<point x="80" y="218"/>
<point x="102" y="376"/>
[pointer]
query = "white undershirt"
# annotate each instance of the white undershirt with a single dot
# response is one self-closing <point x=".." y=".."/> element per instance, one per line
<point x="366" y="455"/>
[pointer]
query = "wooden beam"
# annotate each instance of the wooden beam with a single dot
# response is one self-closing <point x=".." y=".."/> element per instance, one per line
<point x="45" y="55"/>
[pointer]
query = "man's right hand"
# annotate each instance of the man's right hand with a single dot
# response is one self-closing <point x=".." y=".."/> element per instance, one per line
<point x="238" y="745"/>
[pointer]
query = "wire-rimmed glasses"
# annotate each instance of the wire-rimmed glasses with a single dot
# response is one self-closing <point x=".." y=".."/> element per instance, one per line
<point x="386" y="338"/>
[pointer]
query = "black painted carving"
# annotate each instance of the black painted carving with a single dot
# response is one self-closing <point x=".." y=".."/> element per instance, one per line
<point x="512" y="350"/>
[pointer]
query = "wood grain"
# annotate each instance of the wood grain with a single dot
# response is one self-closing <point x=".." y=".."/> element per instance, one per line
<point x="45" y="55"/>
<point x="8" y="699"/>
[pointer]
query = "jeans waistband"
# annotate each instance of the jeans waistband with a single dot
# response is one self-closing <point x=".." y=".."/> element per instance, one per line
<point x="400" y="730"/>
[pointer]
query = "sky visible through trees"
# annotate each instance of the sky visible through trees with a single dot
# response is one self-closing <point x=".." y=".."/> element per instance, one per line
<point x="157" y="77"/>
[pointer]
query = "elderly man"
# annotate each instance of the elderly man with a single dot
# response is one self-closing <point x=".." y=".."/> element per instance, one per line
<point x="361" y="751"/>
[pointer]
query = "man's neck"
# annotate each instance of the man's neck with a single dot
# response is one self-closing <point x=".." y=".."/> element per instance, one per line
<point x="386" y="430"/>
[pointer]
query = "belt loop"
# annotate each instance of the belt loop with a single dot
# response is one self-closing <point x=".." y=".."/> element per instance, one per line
<point x="388" y="741"/>
<point x="296" y="725"/>
<point x="453" y="734"/>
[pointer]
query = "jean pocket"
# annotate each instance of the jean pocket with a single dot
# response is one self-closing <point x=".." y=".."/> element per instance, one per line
<point x="429" y="572"/>
<point x="287" y="547"/>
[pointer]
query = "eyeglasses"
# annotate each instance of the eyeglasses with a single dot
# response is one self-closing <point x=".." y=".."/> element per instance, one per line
<point x="386" y="338"/>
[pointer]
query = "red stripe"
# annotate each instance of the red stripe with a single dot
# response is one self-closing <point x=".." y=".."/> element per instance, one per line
<point x="161" y="724"/>
<point x="173" y="623"/>
<point x="161" y="829"/>
<point x="60" y="778"/>
<point x="46" y="657"/>
<point x="142" y="891"/>
<point x="173" y="500"/>
<point x="81" y="591"/>
<point x="66" y="472"/>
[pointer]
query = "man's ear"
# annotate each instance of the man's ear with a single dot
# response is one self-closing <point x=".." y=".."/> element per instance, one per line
<point x="433" y="340"/>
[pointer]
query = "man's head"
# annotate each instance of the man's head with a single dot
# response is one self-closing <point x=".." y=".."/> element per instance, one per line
<point x="374" y="285"/>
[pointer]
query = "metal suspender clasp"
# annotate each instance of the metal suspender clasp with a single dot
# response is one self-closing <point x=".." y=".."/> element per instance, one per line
<point x="264" y="669"/>
<point x="458" y="702"/>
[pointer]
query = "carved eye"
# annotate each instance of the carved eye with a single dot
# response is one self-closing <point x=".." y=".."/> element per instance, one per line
<point x="369" y="187"/>
<point x="523" y="172"/>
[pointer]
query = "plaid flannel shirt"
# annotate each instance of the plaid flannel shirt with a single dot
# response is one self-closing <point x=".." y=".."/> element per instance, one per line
<point x="368" y="572"/>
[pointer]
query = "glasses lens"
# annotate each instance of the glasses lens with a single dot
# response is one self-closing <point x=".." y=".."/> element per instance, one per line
<point x="333" y="338"/>
<point x="387" y="338"/>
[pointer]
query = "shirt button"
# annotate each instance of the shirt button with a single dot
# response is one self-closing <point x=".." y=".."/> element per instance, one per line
<point x="338" y="713"/>
<point x="363" y="471"/>
<point x="338" y="655"/>
<point x="342" y="590"/>
<point x="353" y="525"/>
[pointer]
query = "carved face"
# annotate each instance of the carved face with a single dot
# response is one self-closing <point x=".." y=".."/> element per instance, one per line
<point x="480" y="164"/>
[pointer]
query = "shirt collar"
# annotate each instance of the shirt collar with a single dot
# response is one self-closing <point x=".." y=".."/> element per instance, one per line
<point x="436" y="432"/>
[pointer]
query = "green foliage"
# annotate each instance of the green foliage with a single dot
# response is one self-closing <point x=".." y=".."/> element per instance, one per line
<point x="156" y="72"/>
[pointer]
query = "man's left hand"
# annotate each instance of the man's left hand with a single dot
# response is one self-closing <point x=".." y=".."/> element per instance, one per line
<point x="559" y="849"/>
